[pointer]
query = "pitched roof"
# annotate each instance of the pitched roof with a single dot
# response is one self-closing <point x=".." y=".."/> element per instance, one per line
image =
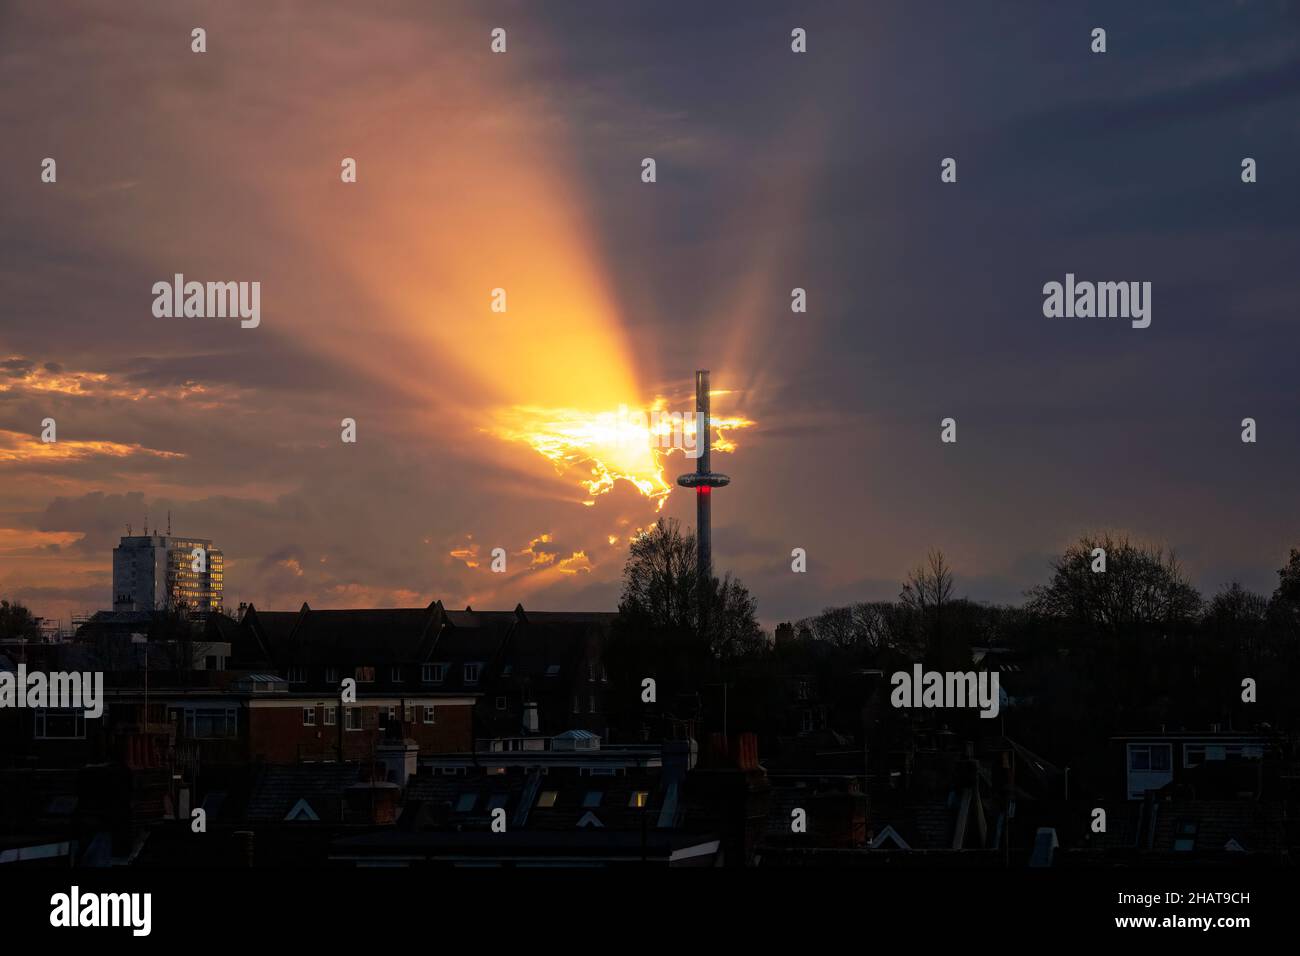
<point x="278" y="789"/>
<point x="372" y="635"/>
<point x="531" y="643"/>
<point x="449" y="801"/>
<point x="1257" y="827"/>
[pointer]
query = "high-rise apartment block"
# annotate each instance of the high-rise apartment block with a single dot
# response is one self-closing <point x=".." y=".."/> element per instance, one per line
<point x="165" y="572"/>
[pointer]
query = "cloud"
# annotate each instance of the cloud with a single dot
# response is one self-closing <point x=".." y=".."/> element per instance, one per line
<point x="521" y="172"/>
<point x="20" y="449"/>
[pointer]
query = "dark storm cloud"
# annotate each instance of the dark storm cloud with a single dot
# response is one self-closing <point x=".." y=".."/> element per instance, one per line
<point x="16" y="367"/>
<point x="97" y="516"/>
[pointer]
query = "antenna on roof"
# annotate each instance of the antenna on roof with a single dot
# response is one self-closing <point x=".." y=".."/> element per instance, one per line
<point x="169" y="522"/>
<point x="128" y="529"/>
<point x="146" y="524"/>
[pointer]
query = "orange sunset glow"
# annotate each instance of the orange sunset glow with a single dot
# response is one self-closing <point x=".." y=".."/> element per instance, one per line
<point x="609" y="447"/>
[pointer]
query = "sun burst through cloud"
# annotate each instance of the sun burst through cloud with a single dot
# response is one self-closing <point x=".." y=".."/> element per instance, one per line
<point x="596" y="450"/>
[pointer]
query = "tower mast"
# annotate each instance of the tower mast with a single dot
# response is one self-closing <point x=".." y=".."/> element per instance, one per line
<point x="703" y="480"/>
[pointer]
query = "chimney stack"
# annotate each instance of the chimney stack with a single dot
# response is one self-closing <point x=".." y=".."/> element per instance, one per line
<point x="531" y="720"/>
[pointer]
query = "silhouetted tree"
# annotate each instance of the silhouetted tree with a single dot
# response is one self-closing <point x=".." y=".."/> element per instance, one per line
<point x="732" y="629"/>
<point x="929" y="586"/>
<point x="867" y="627"/>
<point x="1284" y="606"/>
<point x="657" y="632"/>
<point x="834" y="625"/>
<point x="927" y="595"/>
<point x="1237" y="618"/>
<point x="1141" y="588"/>
<point x="659" y="579"/>
<point x="661" y="591"/>
<point x="17" y="623"/>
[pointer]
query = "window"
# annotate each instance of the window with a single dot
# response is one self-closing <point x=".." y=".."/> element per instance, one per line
<point x="471" y="673"/>
<point x="592" y="798"/>
<point x="392" y="713"/>
<point x="1185" y="836"/>
<point x="604" y="675"/>
<point x="330" y="716"/>
<point x="552" y="670"/>
<point x="1196" y="754"/>
<point x="430" y="715"/>
<point x="807" y="725"/>
<point x="211" y="723"/>
<point x="548" y="798"/>
<point x="297" y="675"/>
<point x="591" y="670"/>
<point x="352" y="718"/>
<point x="365" y="675"/>
<point x="591" y="704"/>
<point x="433" y="673"/>
<point x="309" y="716"/>
<point x="409" y="713"/>
<point x="507" y="670"/>
<point x="501" y="703"/>
<point x="1152" y="758"/>
<point x="331" y="675"/>
<point x="801" y="690"/>
<point x="395" y="673"/>
<point x="466" y="802"/>
<point x="639" y="799"/>
<point x="60" y="724"/>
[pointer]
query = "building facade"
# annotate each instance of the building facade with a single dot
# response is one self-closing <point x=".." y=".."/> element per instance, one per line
<point x="163" y="572"/>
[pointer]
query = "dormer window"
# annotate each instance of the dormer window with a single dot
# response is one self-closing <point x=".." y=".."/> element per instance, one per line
<point x="297" y="675"/>
<point x="472" y="673"/>
<point x="433" y="673"/>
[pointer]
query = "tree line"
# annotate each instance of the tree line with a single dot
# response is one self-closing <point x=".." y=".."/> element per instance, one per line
<point x="1122" y="645"/>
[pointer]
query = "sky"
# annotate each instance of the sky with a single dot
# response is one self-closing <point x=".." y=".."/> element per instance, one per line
<point x="522" y="171"/>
